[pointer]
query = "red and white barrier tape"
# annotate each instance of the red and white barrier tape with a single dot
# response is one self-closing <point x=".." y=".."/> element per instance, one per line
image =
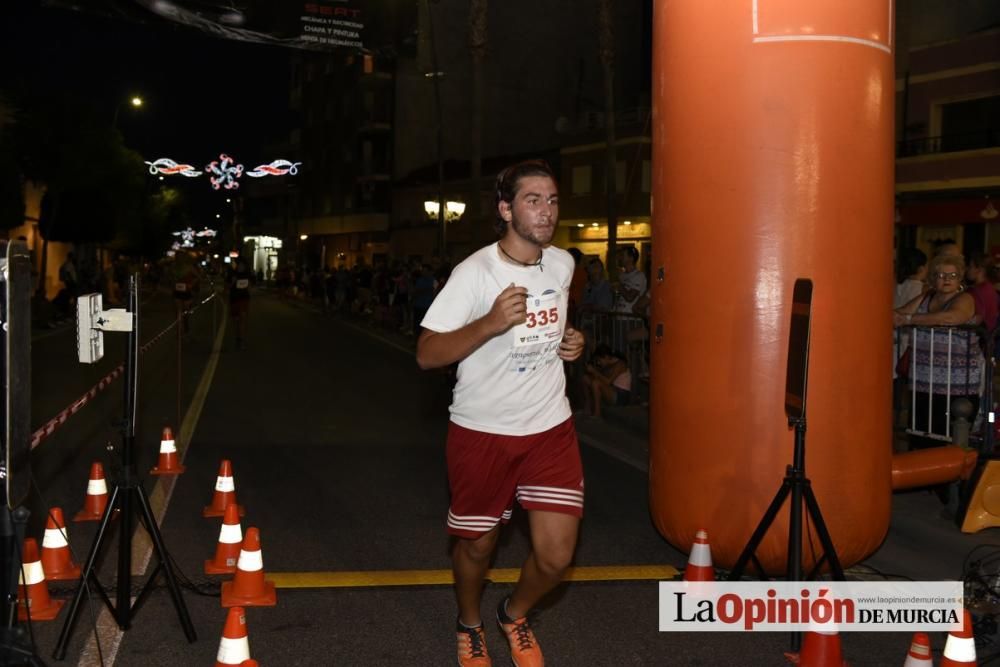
<point x="50" y="426"/>
<point x="60" y="419"/>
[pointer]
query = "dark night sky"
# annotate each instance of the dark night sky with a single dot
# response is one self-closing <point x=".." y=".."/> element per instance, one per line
<point x="204" y="95"/>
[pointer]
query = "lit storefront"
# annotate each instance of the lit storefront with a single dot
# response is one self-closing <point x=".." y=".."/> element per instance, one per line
<point x="263" y="253"/>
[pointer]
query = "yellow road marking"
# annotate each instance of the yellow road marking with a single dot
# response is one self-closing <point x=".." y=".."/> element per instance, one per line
<point x="362" y="579"/>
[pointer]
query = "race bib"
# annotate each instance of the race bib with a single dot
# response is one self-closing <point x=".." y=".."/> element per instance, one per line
<point x="242" y="283"/>
<point x="544" y="320"/>
<point x="181" y="287"/>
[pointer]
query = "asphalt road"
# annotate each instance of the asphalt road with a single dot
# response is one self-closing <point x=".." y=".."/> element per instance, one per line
<point x="336" y="439"/>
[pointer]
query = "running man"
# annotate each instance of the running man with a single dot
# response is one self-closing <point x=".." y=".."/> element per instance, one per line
<point x="502" y="316"/>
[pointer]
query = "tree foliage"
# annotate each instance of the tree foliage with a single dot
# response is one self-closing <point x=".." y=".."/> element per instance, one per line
<point x="96" y="188"/>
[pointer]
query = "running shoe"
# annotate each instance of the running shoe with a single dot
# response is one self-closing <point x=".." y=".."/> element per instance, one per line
<point x="472" y="646"/>
<point x="524" y="649"/>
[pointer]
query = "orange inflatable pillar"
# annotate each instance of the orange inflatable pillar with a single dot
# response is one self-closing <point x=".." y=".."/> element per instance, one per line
<point x="772" y="160"/>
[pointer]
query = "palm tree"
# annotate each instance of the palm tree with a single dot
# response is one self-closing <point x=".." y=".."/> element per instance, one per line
<point x="606" y="37"/>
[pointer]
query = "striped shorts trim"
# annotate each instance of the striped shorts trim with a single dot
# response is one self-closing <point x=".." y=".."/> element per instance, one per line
<point x="488" y="472"/>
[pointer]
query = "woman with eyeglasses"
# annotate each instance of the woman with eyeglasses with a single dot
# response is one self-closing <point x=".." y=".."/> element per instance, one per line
<point x="957" y="361"/>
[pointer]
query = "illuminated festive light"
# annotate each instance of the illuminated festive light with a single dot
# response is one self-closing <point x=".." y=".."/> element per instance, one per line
<point x="276" y="168"/>
<point x="169" y="167"/>
<point x="188" y="235"/>
<point x="187" y="238"/>
<point x="226" y="172"/>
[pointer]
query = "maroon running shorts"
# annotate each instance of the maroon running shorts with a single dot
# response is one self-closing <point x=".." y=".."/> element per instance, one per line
<point x="487" y="471"/>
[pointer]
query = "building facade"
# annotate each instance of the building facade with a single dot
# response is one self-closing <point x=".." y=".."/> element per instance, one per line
<point x="948" y="150"/>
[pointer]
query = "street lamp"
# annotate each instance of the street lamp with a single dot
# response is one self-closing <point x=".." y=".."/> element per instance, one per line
<point x="453" y="210"/>
<point x="136" y="103"/>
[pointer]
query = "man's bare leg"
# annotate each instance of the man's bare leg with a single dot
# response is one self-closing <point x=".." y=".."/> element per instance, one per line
<point x="553" y="541"/>
<point x="470" y="559"/>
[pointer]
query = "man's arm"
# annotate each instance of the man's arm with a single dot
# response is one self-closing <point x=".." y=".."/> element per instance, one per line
<point x="436" y="349"/>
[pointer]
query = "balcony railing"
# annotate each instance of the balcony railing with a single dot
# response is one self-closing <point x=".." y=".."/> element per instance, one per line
<point x="949" y="143"/>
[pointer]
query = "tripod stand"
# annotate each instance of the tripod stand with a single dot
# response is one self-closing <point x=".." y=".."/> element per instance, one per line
<point x="15" y="648"/>
<point x="796" y="483"/>
<point x="127" y="490"/>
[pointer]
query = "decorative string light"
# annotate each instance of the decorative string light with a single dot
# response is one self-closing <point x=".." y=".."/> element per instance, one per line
<point x="225" y="172"/>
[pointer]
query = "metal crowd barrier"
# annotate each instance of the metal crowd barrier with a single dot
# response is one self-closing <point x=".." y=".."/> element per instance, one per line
<point x="625" y="334"/>
<point x="946" y="364"/>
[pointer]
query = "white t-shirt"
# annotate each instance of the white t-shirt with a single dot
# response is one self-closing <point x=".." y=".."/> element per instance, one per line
<point x="635" y="280"/>
<point x="907" y="291"/>
<point x="513" y="384"/>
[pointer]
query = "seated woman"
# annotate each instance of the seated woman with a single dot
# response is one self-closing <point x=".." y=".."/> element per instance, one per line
<point x="957" y="363"/>
<point x="608" y="380"/>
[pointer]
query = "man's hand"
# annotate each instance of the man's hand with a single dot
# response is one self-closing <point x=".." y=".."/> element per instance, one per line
<point x="509" y="308"/>
<point x="572" y="345"/>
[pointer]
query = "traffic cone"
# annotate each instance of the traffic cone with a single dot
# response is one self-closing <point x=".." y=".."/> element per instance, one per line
<point x="249" y="663"/>
<point x="228" y="550"/>
<point x="234" y="647"/>
<point x="820" y="648"/>
<point x="960" y="649"/>
<point x="225" y="492"/>
<point x="168" y="463"/>
<point x="97" y="495"/>
<point x="34" y="592"/>
<point x="699" y="566"/>
<point x="57" y="561"/>
<point x="920" y="652"/>
<point x="248" y="588"/>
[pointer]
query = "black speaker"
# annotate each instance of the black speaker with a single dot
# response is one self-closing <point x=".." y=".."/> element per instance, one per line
<point x="797" y="375"/>
<point x="15" y="359"/>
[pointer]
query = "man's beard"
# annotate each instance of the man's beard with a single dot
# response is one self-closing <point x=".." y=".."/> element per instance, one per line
<point x="531" y="235"/>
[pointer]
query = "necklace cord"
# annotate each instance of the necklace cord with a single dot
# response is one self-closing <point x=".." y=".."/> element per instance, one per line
<point x="537" y="262"/>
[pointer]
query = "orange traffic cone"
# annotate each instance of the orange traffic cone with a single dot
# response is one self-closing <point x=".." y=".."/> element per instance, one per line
<point x="34" y="591"/>
<point x="168" y="463"/>
<point x="234" y="647"/>
<point x="225" y="492"/>
<point x="57" y="561"/>
<point x="699" y="566"/>
<point x="960" y="649"/>
<point x="820" y="648"/>
<point x="249" y="663"/>
<point x="228" y="550"/>
<point x="248" y="588"/>
<point x="97" y="495"/>
<point x="920" y="652"/>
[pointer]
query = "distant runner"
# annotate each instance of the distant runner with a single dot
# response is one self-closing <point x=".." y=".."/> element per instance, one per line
<point x="239" y="299"/>
<point x="186" y="278"/>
